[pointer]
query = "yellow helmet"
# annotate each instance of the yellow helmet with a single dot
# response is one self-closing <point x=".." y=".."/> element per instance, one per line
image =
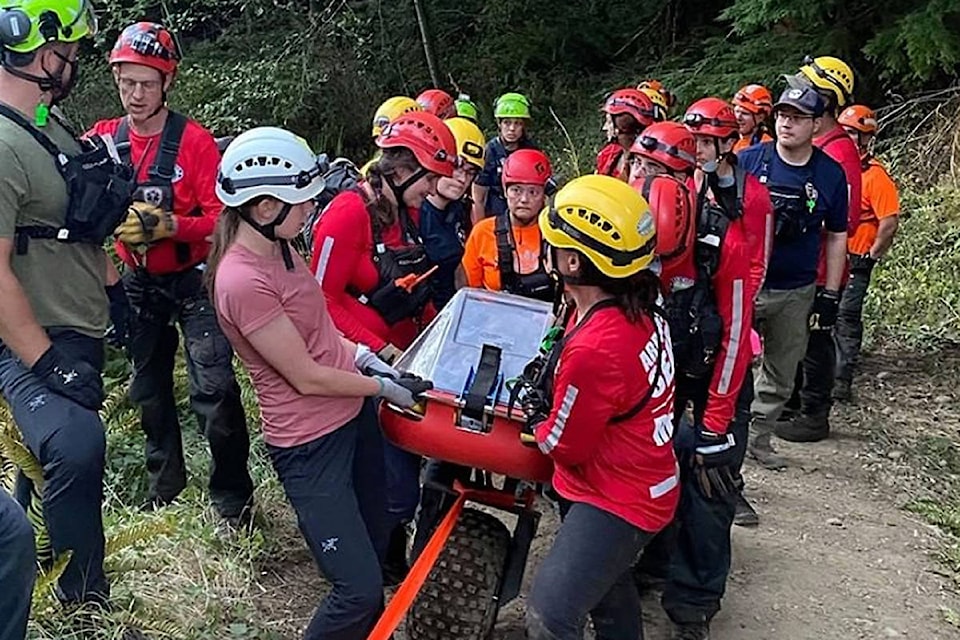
<point x="604" y="219"/>
<point x="659" y="103"/>
<point x="830" y="74"/>
<point x="470" y="140"/>
<point x="391" y="109"/>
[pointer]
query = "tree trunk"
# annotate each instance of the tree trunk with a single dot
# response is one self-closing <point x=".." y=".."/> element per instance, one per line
<point x="427" y="46"/>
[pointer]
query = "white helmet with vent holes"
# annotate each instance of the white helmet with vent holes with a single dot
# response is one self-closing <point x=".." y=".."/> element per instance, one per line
<point x="269" y="161"/>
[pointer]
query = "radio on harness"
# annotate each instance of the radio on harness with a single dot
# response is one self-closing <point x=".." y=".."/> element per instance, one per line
<point x="99" y="189"/>
<point x="793" y="207"/>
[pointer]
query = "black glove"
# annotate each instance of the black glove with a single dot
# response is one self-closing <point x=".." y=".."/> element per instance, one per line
<point x="715" y="465"/>
<point x="861" y="264"/>
<point x="70" y="377"/>
<point x="119" y="330"/>
<point x="405" y="392"/>
<point x="825" y="307"/>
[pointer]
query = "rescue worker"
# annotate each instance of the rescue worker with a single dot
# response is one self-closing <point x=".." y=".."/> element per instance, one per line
<point x="369" y="258"/>
<point x="438" y="102"/>
<point x="608" y="428"/>
<point x="834" y="81"/>
<point x="445" y="215"/>
<point x="391" y="109"/>
<point x="663" y="148"/>
<point x="55" y="308"/>
<point x="627" y="112"/>
<point x="320" y="427"/>
<point x="879" y="220"/>
<point x="506" y="252"/>
<point x="752" y="105"/>
<point x="661" y="98"/>
<point x="512" y="111"/>
<point x="163" y="245"/>
<point x="809" y="192"/>
<point x="18" y="568"/>
<point x="710" y="282"/>
<point x="466" y="108"/>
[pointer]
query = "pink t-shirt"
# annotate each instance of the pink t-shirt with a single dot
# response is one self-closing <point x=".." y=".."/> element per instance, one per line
<point x="251" y="291"/>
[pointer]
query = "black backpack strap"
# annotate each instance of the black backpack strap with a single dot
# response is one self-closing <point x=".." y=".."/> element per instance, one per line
<point x="504" y="251"/>
<point x="41" y="138"/>
<point x="122" y="140"/>
<point x="766" y="158"/>
<point x="173" y="129"/>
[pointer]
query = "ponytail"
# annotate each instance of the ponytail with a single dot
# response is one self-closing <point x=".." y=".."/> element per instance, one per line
<point x="223" y="236"/>
<point x="635" y="295"/>
<point x="383" y="213"/>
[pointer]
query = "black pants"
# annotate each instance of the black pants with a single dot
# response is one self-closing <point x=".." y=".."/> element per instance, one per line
<point x="159" y="303"/>
<point x="337" y="487"/>
<point x="815" y="374"/>
<point x="70" y="443"/>
<point x="588" y="572"/>
<point x="849" y="329"/>
<point x="700" y="552"/>
<point x="18" y="568"/>
<point x="435" y="502"/>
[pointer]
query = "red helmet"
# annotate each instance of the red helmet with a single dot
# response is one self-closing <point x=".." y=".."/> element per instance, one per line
<point x="672" y="206"/>
<point x="755" y="98"/>
<point x="669" y="143"/>
<point x="712" y="117"/>
<point x="527" y="166"/>
<point x="438" y="102"/>
<point x="149" y="44"/>
<point x="426" y="136"/>
<point x="632" y="102"/>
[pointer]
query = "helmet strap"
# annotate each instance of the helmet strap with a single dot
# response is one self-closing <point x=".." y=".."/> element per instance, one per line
<point x="400" y="189"/>
<point x="269" y="230"/>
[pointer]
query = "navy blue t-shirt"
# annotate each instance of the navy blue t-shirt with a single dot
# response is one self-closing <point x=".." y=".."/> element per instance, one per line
<point x="793" y="262"/>
<point x="491" y="177"/>
<point x="441" y="231"/>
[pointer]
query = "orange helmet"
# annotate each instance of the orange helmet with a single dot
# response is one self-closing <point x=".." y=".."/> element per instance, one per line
<point x="670" y="144"/>
<point x="672" y="207"/>
<point x="859" y="117"/>
<point x="755" y="98"/>
<point x="438" y="102"/>
<point x="632" y="102"/>
<point x="427" y="136"/>
<point x="712" y="117"/>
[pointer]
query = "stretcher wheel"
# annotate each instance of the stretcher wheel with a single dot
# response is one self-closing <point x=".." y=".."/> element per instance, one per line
<point x="460" y="598"/>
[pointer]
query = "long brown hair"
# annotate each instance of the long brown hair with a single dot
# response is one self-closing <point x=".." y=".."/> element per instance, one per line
<point x="636" y="295"/>
<point x="383" y="212"/>
<point x="223" y="236"/>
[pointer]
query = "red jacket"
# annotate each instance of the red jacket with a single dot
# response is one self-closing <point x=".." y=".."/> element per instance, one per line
<point x="342" y="261"/>
<point x="626" y="468"/>
<point x="734" y="291"/>
<point x="838" y="145"/>
<point x="195" y="202"/>
<point x="608" y="159"/>
<point x="759" y="223"/>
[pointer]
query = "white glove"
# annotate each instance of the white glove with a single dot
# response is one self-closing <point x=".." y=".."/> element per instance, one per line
<point x="369" y="364"/>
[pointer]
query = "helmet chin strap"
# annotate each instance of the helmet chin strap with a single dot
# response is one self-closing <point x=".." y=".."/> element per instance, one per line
<point x="400" y="189"/>
<point x="269" y="230"/>
<point x="50" y="82"/>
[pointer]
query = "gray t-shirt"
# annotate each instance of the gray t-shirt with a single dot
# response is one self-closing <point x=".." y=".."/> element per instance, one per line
<point x="64" y="282"/>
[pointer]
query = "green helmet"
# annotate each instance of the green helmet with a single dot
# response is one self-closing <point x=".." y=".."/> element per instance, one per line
<point x="512" y="105"/>
<point x="466" y="108"/>
<point x="30" y="24"/>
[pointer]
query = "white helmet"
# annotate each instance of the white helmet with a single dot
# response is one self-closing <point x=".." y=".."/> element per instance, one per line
<point x="269" y="161"/>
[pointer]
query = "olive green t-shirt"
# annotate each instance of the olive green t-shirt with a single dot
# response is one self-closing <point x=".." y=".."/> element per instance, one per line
<point x="64" y="282"/>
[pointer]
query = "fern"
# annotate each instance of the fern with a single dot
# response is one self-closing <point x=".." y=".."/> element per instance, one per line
<point x="12" y="448"/>
<point x="155" y="626"/>
<point x="47" y="579"/>
<point x="137" y="533"/>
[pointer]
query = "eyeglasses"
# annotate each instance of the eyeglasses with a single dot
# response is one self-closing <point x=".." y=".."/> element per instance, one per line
<point x="128" y="85"/>
<point x="793" y="117"/>
<point x="519" y="191"/>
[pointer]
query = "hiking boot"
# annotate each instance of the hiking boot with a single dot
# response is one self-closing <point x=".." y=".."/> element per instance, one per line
<point x="395" y="567"/>
<point x="691" y="631"/>
<point x="841" y="391"/>
<point x="744" y="514"/>
<point x="762" y="451"/>
<point x="804" y="429"/>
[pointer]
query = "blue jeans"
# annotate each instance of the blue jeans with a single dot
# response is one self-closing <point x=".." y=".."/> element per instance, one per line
<point x="588" y="571"/>
<point x="70" y="443"/>
<point x="157" y="302"/>
<point x="18" y="568"/>
<point x="336" y="486"/>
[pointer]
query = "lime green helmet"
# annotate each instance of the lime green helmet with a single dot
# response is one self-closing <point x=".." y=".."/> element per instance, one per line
<point x="512" y="105"/>
<point x="29" y="24"/>
<point x="466" y="108"/>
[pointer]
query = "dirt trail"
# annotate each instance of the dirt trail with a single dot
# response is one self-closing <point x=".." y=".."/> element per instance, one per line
<point x="835" y="555"/>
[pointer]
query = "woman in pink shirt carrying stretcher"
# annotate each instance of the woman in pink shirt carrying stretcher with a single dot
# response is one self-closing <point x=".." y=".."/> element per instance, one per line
<point x="314" y="386"/>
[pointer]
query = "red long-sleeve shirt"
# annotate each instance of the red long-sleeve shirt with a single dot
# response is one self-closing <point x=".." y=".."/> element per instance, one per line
<point x="733" y="288"/>
<point x="838" y="145"/>
<point x="195" y="202"/>
<point x="626" y="468"/>
<point x="759" y="223"/>
<point x="342" y="261"/>
<point x="609" y="158"/>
